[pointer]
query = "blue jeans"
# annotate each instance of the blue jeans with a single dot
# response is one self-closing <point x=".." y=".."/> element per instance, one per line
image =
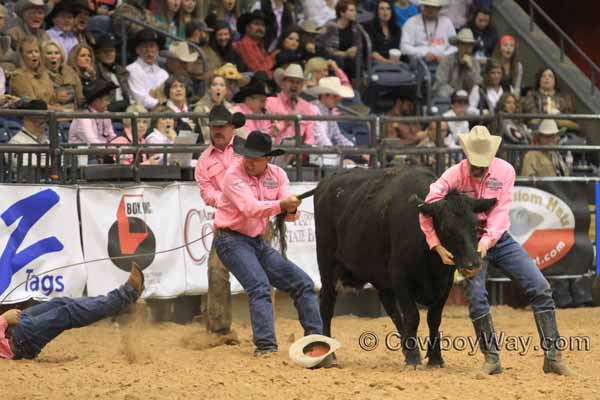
<point x="514" y="261"/>
<point x="257" y="266"/>
<point x="43" y="322"/>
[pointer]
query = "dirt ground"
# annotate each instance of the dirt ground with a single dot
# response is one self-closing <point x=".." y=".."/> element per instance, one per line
<point x="139" y="360"/>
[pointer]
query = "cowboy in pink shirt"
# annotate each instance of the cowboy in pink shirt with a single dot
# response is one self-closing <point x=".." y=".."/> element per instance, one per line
<point x="480" y="176"/>
<point x="288" y="102"/>
<point x="23" y="334"/>
<point x="254" y="191"/>
<point x="210" y="173"/>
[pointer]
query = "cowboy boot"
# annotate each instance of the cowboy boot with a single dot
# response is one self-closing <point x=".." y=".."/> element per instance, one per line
<point x="488" y="344"/>
<point x="546" y="325"/>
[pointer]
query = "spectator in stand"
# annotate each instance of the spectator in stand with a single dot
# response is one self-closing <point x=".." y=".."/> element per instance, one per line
<point x="506" y="55"/>
<point x="162" y="130"/>
<point x="169" y="16"/>
<point x="548" y="99"/>
<point x="318" y="12"/>
<point x="126" y="138"/>
<point x="485" y="34"/>
<point x="67" y="85"/>
<point x="108" y="69"/>
<point x="279" y="14"/>
<point x="137" y="10"/>
<point x="404" y="10"/>
<point x="31" y="79"/>
<point x="233" y="79"/>
<point x="221" y="49"/>
<point x="229" y="12"/>
<point x="428" y="139"/>
<point x="88" y="130"/>
<point x="145" y="76"/>
<point x="32" y="133"/>
<point x="82" y="13"/>
<point x="198" y="33"/>
<point x="62" y="22"/>
<point x="458" y="70"/>
<point x="101" y="23"/>
<point x="83" y="61"/>
<point x="408" y="132"/>
<point x="31" y="15"/>
<point x="342" y="40"/>
<point x="383" y="32"/>
<point x="457" y="11"/>
<point x="216" y="94"/>
<point x="175" y="92"/>
<point x="427" y="34"/>
<point x="484" y="100"/>
<point x="318" y="67"/>
<point x="8" y="57"/>
<point x="512" y="131"/>
<point x="309" y="32"/>
<point x="460" y="102"/>
<point x="290" y="41"/>
<point x="287" y="102"/>
<point x="179" y="59"/>
<point x="190" y="10"/>
<point x="251" y="47"/>
<point x="252" y="99"/>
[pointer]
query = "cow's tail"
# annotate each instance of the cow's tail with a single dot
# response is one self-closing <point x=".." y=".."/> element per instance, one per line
<point x="279" y="228"/>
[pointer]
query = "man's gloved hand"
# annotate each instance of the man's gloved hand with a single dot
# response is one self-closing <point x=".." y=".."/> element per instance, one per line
<point x="482" y="250"/>
<point x="12" y="317"/>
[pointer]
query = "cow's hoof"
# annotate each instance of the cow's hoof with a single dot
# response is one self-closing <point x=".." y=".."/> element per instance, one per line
<point x="412" y="367"/>
<point x="413" y="359"/>
<point x="435" y="363"/>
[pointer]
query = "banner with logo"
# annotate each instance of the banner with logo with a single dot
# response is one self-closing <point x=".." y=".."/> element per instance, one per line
<point x="140" y="224"/>
<point x="39" y="231"/>
<point x="551" y="221"/>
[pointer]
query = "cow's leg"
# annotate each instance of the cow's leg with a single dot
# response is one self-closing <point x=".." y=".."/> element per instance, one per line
<point x="327" y="299"/>
<point x="410" y="324"/>
<point x="434" y="319"/>
<point x="388" y="300"/>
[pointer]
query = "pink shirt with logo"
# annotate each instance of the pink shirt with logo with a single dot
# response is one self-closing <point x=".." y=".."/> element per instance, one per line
<point x="283" y="105"/>
<point x="210" y="171"/>
<point x="248" y="201"/>
<point x="497" y="183"/>
<point x="5" y="351"/>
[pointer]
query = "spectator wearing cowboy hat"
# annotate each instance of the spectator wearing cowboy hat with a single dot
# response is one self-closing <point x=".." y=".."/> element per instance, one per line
<point x="31" y="15"/>
<point x="108" y="69"/>
<point x="87" y="130"/>
<point x="210" y="171"/>
<point x="32" y="133"/>
<point x="233" y="78"/>
<point x="458" y="71"/>
<point x="82" y="12"/>
<point x="251" y="47"/>
<point x="309" y="31"/>
<point x="459" y="105"/>
<point x="289" y="102"/>
<point x="545" y="163"/>
<point x="62" y="22"/>
<point x="145" y="75"/>
<point x="279" y="14"/>
<point x="252" y="99"/>
<point x="179" y="58"/>
<point x="484" y="176"/>
<point x="253" y="191"/>
<point x="427" y="34"/>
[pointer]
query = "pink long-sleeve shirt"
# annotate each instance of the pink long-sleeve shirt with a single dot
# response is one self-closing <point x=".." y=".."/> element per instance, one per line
<point x="283" y="105"/>
<point x="210" y="171"/>
<point x="497" y="183"/>
<point x="253" y="124"/>
<point x="5" y="351"/>
<point x="248" y="201"/>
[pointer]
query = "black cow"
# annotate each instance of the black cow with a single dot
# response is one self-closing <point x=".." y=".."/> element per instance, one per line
<point x="367" y="230"/>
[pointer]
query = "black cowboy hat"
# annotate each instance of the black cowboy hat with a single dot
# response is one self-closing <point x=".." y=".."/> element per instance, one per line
<point x="261" y="76"/>
<point x="287" y="57"/>
<point x="219" y="115"/>
<point x="246" y="18"/>
<point x="64" y="5"/>
<point x="146" y="35"/>
<point x="96" y="89"/>
<point x="255" y="87"/>
<point x="107" y="41"/>
<point x="257" y="145"/>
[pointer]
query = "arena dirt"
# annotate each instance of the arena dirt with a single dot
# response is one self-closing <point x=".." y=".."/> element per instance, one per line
<point x="132" y="359"/>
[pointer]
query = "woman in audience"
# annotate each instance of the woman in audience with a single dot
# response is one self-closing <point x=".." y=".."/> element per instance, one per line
<point x="483" y="100"/>
<point x="485" y="34"/>
<point x="318" y="67"/>
<point x="220" y="50"/>
<point x="548" y="99"/>
<point x="228" y="11"/>
<point x="383" y="32"/>
<point x="168" y="15"/>
<point x="512" y="131"/>
<point x="175" y="92"/>
<point x="190" y="10"/>
<point x="162" y="130"/>
<point x="67" y="86"/>
<point x="83" y="61"/>
<point x="342" y="41"/>
<point x="216" y="94"/>
<point x="126" y="137"/>
<point x="233" y="79"/>
<point x="290" y="41"/>
<point x="507" y="56"/>
<point x="31" y="78"/>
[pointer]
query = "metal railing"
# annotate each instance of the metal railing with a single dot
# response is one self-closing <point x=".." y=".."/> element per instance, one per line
<point x="563" y="37"/>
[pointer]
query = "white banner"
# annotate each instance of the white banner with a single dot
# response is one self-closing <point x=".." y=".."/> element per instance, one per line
<point x="131" y="225"/>
<point x="39" y="231"/>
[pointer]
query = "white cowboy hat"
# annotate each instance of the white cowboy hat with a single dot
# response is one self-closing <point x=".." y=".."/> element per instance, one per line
<point x="180" y="51"/>
<point x="313" y="350"/>
<point x="479" y="146"/>
<point x="433" y="3"/>
<point x="331" y="85"/>
<point x="292" y="71"/>
<point x="465" y="35"/>
<point x="549" y="127"/>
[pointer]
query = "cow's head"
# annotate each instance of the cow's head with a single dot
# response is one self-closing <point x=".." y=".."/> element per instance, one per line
<point x="455" y="222"/>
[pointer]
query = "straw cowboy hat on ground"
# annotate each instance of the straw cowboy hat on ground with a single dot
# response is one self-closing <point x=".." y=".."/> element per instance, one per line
<point x="479" y="146"/>
<point x="180" y="51"/>
<point x="331" y="85"/>
<point x="314" y="351"/>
